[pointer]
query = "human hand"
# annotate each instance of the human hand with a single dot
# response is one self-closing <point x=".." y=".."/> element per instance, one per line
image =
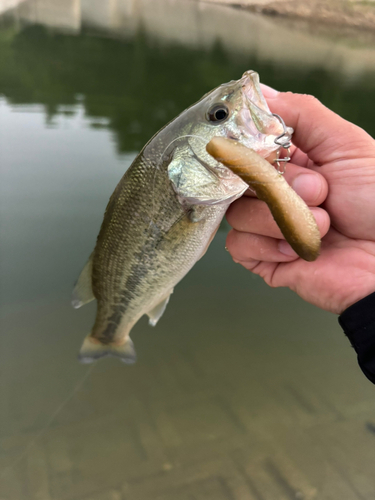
<point x="333" y="169"/>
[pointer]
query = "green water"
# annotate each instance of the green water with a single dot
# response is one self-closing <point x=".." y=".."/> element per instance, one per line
<point x="241" y="391"/>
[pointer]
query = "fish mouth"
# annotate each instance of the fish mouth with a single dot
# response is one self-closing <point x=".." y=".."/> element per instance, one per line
<point x="251" y="89"/>
<point x="260" y="129"/>
<point x="254" y="101"/>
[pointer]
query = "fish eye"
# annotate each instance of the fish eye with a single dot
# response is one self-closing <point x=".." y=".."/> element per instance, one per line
<point x="218" y="113"/>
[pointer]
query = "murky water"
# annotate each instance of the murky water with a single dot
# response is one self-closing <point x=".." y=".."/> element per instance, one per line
<point x="240" y="392"/>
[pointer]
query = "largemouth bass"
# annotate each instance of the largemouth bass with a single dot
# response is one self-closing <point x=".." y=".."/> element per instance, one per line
<point x="165" y="211"/>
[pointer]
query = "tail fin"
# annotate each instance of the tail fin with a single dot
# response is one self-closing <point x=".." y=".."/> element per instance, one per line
<point x="91" y="351"/>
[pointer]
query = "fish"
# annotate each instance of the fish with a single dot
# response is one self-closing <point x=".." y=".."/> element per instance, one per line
<point x="165" y="211"/>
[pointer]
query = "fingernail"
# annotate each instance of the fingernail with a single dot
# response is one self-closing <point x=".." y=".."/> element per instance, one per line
<point x="307" y="186"/>
<point x="269" y="92"/>
<point x="286" y="249"/>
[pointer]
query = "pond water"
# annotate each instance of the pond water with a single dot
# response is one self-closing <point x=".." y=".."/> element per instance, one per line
<point x="240" y="392"/>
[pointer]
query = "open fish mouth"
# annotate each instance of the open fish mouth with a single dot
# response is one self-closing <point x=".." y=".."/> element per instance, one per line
<point x="252" y="91"/>
<point x="258" y="125"/>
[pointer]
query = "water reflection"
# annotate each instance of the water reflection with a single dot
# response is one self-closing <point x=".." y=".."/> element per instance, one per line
<point x="155" y="67"/>
<point x="196" y="24"/>
<point x="241" y="392"/>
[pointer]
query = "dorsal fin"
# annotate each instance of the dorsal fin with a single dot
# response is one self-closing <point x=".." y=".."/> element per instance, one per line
<point x="82" y="292"/>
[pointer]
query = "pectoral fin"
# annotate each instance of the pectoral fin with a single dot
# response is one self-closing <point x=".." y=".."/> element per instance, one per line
<point x="157" y="312"/>
<point x="195" y="184"/>
<point x="82" y="292"/>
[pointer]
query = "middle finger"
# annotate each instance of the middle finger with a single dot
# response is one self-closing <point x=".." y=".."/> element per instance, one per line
<point x="251" y="215"/>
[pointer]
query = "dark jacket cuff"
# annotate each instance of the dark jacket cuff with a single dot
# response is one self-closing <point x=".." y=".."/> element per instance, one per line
<point x="358" y="323"/>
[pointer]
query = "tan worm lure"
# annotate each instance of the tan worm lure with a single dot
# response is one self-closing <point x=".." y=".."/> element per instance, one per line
<point x="290" y="212"/>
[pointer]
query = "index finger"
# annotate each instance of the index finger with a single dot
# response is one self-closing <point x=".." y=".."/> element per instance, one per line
<point x="319" y="132"/>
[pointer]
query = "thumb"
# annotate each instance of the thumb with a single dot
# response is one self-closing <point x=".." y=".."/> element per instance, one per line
<point x="319" y="132"/>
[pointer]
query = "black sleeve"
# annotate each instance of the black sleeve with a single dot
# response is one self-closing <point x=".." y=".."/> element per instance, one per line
<point x="358" y="323"/>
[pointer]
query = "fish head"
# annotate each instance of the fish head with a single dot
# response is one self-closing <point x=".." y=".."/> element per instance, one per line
<point x="239" y="111"/>
<point x="236" y="110"/>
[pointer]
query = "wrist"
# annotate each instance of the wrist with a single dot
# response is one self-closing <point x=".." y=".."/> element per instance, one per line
<point x="357" y="297"/>
<point x="360" y="314"/>
<point x="358" y="323"/>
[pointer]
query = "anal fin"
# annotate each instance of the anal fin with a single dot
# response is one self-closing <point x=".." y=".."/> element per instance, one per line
<point x="82" y="292"/>
<point x="93" y="350"/>
<point x="157" y="312"/>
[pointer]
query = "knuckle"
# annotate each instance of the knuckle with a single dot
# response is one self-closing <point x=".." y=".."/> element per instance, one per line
<point x="233" y="244"/>
<point x="231" y="215"/>
<point x="309" y="100"/>
<point x="310" y="97"/>
<point x="266" y="272"/>
<point x="238" y="245"/>
<point x="304" y="99"/>
<point x="229" y="242"/>
<point x="325" y="224"/>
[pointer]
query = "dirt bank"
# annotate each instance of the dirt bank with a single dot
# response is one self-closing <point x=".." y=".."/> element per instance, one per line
<point x="352" y="14"/>
<point x="342" y="13"/>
